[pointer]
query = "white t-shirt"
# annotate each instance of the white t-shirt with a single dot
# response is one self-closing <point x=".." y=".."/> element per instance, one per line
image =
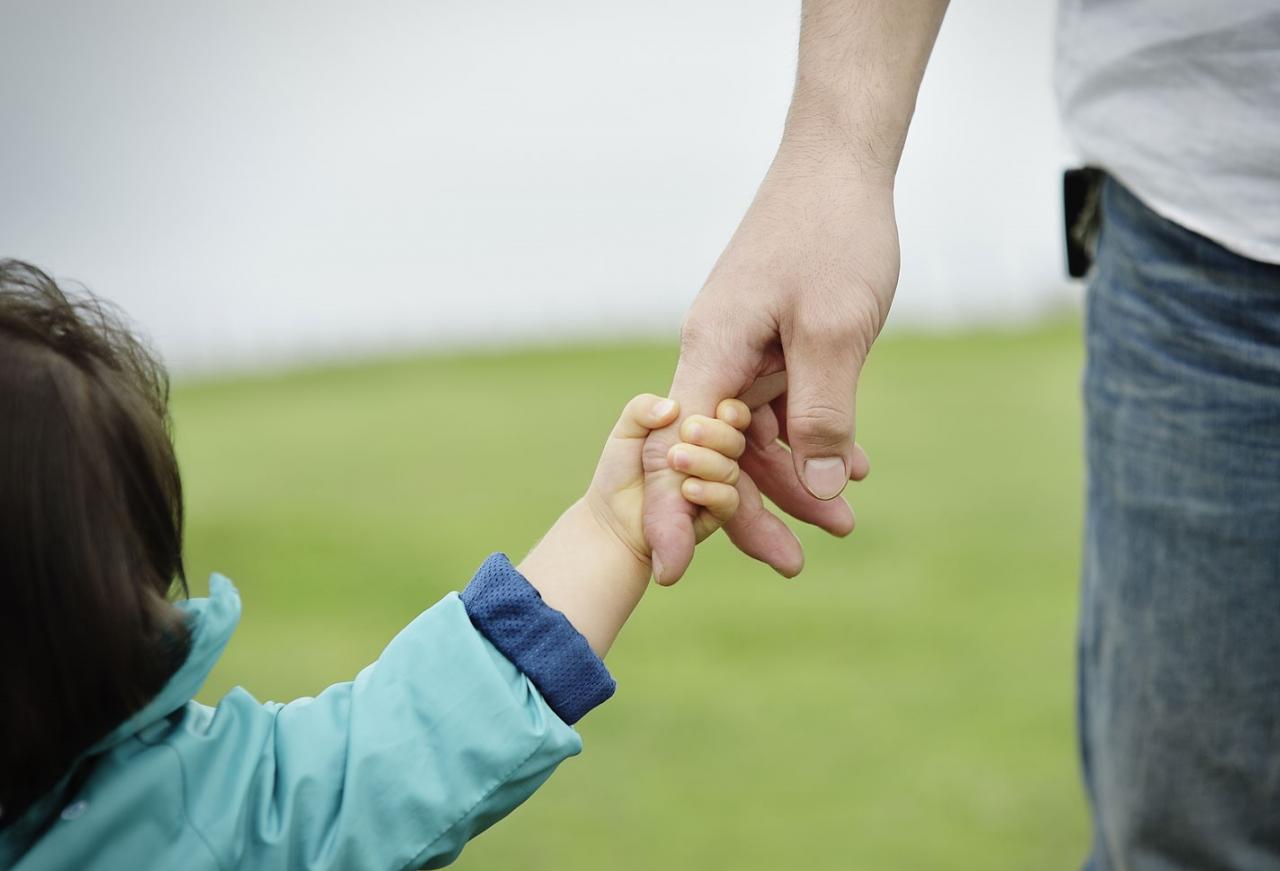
<point x="1180" y="101"/>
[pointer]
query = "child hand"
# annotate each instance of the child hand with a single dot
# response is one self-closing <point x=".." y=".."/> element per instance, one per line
<point x="707" y="454"/>
<point x="593" y="565"/>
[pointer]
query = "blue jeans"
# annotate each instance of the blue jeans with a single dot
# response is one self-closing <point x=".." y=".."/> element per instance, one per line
<point x="1179" y="648"/>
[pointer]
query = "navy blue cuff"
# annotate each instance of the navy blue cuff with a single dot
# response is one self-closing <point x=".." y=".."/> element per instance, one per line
<point x="538" y="639"/>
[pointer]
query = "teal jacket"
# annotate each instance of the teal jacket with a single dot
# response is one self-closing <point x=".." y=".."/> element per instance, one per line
<point x="438" y="739"/>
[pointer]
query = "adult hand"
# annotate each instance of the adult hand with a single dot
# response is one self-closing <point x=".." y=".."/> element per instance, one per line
<point x="803" y="288"/>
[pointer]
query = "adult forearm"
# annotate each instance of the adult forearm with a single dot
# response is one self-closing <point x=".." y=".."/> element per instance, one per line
<point x="805" y="283"/>
<point x="858" y="74"/>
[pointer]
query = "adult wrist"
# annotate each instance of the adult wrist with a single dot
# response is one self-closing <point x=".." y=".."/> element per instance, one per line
<point x="831" y="152"/>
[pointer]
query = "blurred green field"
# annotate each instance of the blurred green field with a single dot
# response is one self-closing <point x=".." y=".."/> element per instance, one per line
<point x="906" y="703"/>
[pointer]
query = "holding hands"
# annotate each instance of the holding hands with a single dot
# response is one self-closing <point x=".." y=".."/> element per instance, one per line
<point x="705" y="457"/>
<point x="595" y="563"/>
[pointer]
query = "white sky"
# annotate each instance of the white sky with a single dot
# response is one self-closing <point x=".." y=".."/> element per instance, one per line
<point x="266" y="181"/>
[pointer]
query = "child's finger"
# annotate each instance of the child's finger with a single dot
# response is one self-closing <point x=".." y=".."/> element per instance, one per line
<point x="721" y="500"/>
<point x="734" y="412"/>
<point x="715" y="434"/>
<point x="644" y="413"/>
<point x="703" y="463"/>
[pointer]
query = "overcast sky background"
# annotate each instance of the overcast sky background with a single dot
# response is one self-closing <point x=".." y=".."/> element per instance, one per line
<point x="274" y="181"/>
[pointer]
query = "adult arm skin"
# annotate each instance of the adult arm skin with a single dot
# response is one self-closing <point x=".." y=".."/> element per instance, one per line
<point x="803" y="287"/>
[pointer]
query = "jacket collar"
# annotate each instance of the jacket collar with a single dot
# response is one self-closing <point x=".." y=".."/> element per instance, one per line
<point x="212" y="622"/>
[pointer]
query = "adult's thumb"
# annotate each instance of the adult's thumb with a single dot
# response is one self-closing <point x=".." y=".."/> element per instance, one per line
<point x="822" y="379"/>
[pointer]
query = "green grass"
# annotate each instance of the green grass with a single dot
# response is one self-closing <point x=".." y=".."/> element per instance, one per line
<point x="905" y="703"/>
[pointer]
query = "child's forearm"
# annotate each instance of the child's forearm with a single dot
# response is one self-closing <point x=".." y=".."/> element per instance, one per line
<point x="582" y="569"/>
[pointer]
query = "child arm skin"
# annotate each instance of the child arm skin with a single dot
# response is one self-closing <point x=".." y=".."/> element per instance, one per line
<point x="594" y="564"/>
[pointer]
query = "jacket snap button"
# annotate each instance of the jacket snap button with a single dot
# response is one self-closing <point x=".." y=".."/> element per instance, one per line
<point x="75" y="810"/>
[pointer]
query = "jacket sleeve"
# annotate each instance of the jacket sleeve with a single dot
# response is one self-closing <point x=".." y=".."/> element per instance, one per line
<point x="438" y="739"/>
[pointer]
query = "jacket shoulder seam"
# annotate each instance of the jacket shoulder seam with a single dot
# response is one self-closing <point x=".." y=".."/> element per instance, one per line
<point x="182" y="772"/>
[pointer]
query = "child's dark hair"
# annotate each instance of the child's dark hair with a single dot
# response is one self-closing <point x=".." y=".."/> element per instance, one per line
<point x="90" y="530"/>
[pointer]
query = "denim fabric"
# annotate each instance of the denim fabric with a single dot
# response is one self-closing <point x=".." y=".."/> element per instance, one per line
<point x="1179" y="696"/>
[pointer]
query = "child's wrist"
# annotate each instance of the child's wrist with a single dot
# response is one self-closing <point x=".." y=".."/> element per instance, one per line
<point x="584" y="570"/>
<point x="629" y="545"/>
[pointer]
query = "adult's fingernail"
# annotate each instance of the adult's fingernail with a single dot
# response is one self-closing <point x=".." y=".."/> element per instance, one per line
<point x="657" y="569"/>
<point x="825" y="476"/>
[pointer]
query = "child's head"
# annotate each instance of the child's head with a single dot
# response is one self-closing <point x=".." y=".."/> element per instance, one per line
<point x="90" y="530"/>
